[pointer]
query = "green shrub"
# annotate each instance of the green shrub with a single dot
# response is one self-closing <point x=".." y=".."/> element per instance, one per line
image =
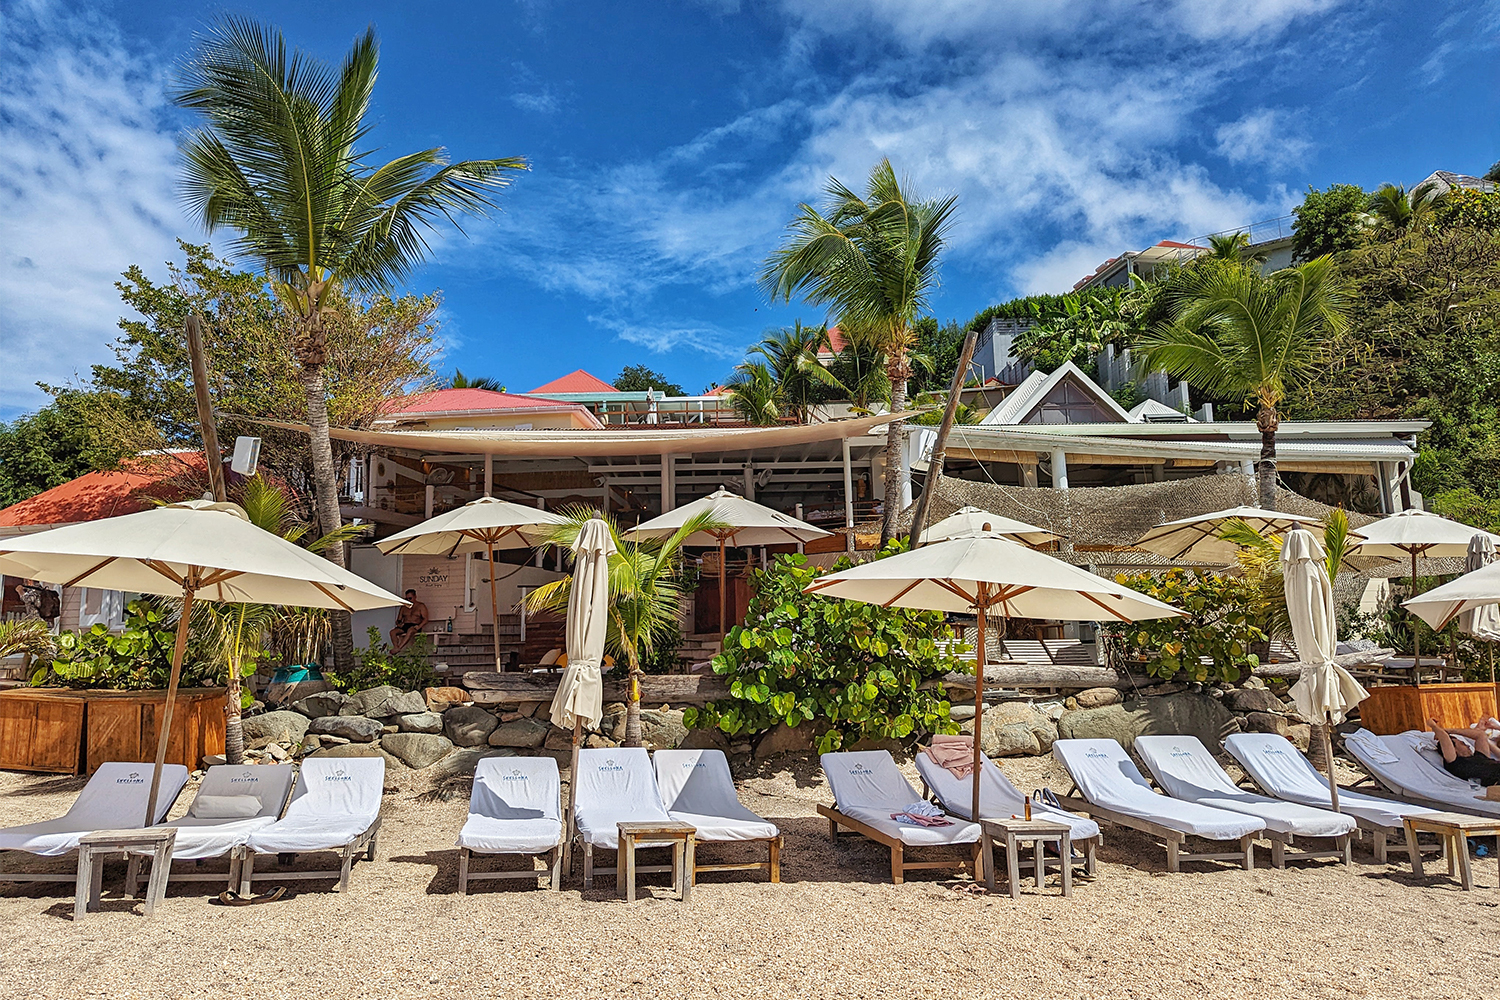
<point x="409" y="670"/>
<point x="1223" y="626"/>
<point x="857" y="668"/>
<point x="138" y="658"/>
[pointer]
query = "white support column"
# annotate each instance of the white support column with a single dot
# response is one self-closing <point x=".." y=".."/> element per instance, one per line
<point x="848" y="499"/>
<point x="668" y="483"/>
<point x="540" y="505"/>
<point x="1028" y="474"/>
<point x="1059" y="470"/>
<point x="489" y="475"/>
<point x="798" y="515"/>
<point x="430" y="491"/>
<point x="749" y="481"/>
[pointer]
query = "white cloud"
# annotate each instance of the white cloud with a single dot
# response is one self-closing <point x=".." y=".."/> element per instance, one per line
<point x="542" y="103"/>
<point x="1268" y="136"/>
<point x="662" y="338"/>
<point x="86" y="175"/>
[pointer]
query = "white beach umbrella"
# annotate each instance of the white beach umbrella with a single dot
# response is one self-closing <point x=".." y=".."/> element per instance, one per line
<point x="1326" y="691"/>
<point x="1196" y="538"/>
<point x="1474" y="599"/>
<point x="1413" y="533"/>
<point x="986" y="574"/>
<point x="747" y="523"/>
<point x="972" y="520"/>
<point x="197" y="550"/>
<point x="1482" y="622"/>
<point x="482" y="525"/>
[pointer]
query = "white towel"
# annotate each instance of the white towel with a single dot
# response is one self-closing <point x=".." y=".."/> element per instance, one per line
<point x="1373" y="746"/>
<point x="1428" y="741"/>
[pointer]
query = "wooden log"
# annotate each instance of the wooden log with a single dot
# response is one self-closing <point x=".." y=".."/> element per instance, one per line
<point x="1043" y="675"/>
<point x="1367" y="658"/>
<point x="490" y="688"/>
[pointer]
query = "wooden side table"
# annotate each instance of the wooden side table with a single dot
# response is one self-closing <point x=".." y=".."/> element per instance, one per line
<point x="1016" y="832"/>
<point x="1453" y="829"/>
<point x="94" y="848"/>
<point x="682" y="838"/>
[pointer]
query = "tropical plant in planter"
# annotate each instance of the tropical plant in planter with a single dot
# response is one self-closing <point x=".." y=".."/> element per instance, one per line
<point x="1224" y="624"/>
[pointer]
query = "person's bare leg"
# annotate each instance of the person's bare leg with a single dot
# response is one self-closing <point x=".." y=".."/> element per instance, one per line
<point x="1445" y="742"/>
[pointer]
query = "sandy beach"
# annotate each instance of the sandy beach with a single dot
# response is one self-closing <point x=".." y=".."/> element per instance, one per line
<point x="833" y="928"/>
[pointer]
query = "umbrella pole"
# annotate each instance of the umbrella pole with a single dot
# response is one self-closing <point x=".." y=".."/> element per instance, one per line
<point x="494" y="603"/>
<point x="567" y="862"/>
<point x="165" y="723"/>
<point x="723" y="598"/>
<point x="1416" y="636"/>
<point x="979" y="659"/>
<point x="1333" y="781"/>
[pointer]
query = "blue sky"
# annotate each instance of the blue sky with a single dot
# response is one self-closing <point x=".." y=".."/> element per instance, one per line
<point x="670" y="142"/>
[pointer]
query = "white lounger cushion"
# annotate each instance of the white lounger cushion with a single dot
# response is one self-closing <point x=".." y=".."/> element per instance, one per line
<point x="615" y="786"/>
<point x="696" y="787"/>
<point x="868" y="786"/>
<point x="1185" y="769"/>
<point x="1414" y="775"/>
<point x="1110" y="779"/>
<point x="114" y="799"/>
<point x="336" y="800"/>
<point x="1282" y="770"/>
<point x="211" y="837"/>
<point x="997" y="796"/>
<point x="515" y="808"/>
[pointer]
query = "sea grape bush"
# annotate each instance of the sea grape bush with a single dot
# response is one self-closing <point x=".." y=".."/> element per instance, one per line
<point x="1223" y="626"/>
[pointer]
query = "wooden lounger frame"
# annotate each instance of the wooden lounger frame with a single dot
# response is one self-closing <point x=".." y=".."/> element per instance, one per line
<point x="365" y="843"/>
<point x="1173" y="838"/>
<point x="552" y="872"/>
<point x="1090" y="845"/>
<point x="771" y="866"/>
<point x="899" y="864"/>
<point x="71" y="876"/>
<point x="1381" y="835"/>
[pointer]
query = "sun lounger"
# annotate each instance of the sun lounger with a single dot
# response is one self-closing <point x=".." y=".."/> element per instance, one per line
<point x="1184" y="769"/>
<point x="1113" y="789"/>
<point x="515" y="808"/>
<point x="614" y="786"/>
<point x="696" y="787"/>
<point x="867" y="788"/>
<point x="114" y="799"/>
<point x="1071" y="652"/>
<point x="1280" y="769"/>
<point x="999" y="798"/>
<point x="335" y="807"/>
<point x="233" y="802"/>
<point x="1408" y="773"/>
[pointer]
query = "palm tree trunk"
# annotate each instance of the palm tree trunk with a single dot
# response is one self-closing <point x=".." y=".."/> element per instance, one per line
<point x="234" y="727"/>
<point x="633" y="706"/>
<point x="1266" y="420"/>
<point x="326" y="502"/>
<point x="895" y="475"/>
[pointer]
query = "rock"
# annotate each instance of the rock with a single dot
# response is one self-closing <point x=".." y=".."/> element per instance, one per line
<point x="557" y="739"/>
<point x="274" y="727"/>
<point x="329" y="740"/>
<point x="324" y="703"/>
<point x="440" y="699"/>
<point x="1042" y="730"/>
<point x="353" y="750"/>
<point x="1098" y="697"/>
<point x="505" y="717"/>
<point x="531" y="708"/>
<point x="741" y="748"/>
<point x="311" y="742"/>
<point x="1267" y="722"/>
<point x="1300" y="734"/>
<point x="468" y="725"/>
<point x="254" y="708"/>
<point x="210" y="760"/>
<point x="285" y="694"/>
<point x="354" y="728"/>
<point x="416" y="750"/>
<point x="1253" y="682"/>
<point x="597" y="742"/>
<point x="1253" y="700"/>
<point x="1191" y="714"/>
<point x="705" y="739"/>
<point x="276" y="753"/>
<point x="521" y="732"/>
<point x="461" y="762"/>
<point x="961" y="713"/>
<point x="612" y="722"/>
<point x="1051" y="709"/>
<point x="785" y="739"/>
<point x="385" y="701"/>
<point x="662" y="729"/>
<point x="419" y="722"/>
<point x="1011" y="740"/>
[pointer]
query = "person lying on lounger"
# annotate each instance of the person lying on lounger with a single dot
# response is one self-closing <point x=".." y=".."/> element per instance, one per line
<point x="1480" y="764"/>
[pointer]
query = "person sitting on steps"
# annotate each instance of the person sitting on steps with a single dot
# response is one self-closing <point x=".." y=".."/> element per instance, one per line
<point x="409" y="622"/>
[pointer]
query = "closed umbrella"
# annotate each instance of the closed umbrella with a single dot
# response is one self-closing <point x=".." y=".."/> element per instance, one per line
<point x="580" y="692"/>
<point x="483" y="525"/>
<point x="971" y="520"/>
<point x="1326" y="691"/>
<point x="198" y="550"/>
<point x="987" y="574"/>
<point x="741" y="522"/>
<point x="1196" y="538"/>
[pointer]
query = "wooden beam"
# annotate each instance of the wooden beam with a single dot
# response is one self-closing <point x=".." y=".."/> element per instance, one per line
<point x="1043" y="675"/>
<point x="1367" y="658"/>
<point x="490" y="688"/>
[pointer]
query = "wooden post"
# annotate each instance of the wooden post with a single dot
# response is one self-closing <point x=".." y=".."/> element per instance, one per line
<point x="573" y="798"/>
<point x="1416" y="636"/>
<point x="935" y="463"/>
<point x="211" y="453"/>
<point x="489" y="474"/>
<point x="723" y="616"/>
<point x="980" y="607"/>
<point x="489" y="545"/>
<point x="1333" y="778"/>
<point x="190" y="583"/>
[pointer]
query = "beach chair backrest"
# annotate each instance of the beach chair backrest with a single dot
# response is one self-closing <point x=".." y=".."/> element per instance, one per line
<point x="1182" y="765"/>
<point x="338" y="787"/>
<point x="269" y="783"/>
<point x="1102" y="771"/>
<point x="997" y="795"/>
<point x="115" y="797"/>
<point x="696" y="781"/>
<point x="870" y="779"/>
<point x="618" y="780"/>
<point x="517" y="788"/>
<point x="1275" y="764"/>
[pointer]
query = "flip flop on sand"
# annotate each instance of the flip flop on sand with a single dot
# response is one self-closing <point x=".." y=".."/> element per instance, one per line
<point x="229" y="898"/>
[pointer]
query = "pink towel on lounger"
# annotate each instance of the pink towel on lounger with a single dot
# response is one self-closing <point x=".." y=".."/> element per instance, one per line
<point x="955" y="753"/>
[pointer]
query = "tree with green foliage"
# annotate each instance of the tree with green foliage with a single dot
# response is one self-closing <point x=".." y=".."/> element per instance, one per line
<point x="755" y="395"/>
<point x="54" y="445"/>
<point x="1234" y="248"/>
<point x="791" y="357"/>
<point x="1243" y="335"/>
<point x="639" y="378"/>
<point x="941" y="345"/>
<point x="281" y="161"/>
<point x="1086" y="323"/>
<point x="1330" y="221"/>
<point x="872" y="258"/>
<point x="1223" y="627"/>
<point x="462" y="381"/>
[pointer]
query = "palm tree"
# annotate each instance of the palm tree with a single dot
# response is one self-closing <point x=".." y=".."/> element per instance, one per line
<point x="1232" y="247"/>
<point x="872" y="259"/>
<point x="1392" y="209"/>
<point x="645" y="595"/>
<point x="792" y="357"/>
<point x="1240" y="334"/>
<point x="280" y="161"/>
<point x="755" y="395"/>
<point x="462" y="381"/>
<point x="858" y="372"/>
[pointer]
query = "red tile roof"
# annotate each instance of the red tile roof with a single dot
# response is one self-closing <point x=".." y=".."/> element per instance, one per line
<point x="836" y="339"/>
<point x="468" y="400"/>
<point x="1179" y="246"/>
<point x="176" y="476"/>
<point x="579" y="381"/>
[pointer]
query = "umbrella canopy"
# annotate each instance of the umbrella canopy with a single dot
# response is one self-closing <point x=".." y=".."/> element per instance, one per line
<point x="1482" y="622"/>
<point x="1472" y="592"/>
<point x="973" y="521"/>
<point x="1196" y="539"/>
<point x="482" y="525"/>
<point x="989" y="575"/>
<point x="580" y="694"/>
<point x="197" y="550"/>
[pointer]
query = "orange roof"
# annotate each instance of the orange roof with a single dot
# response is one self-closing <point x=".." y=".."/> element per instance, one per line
<point x="1179" y="246"/>
<point x="175" y="476"/>
<point x="836" y="339"/>
<point x="465" y="400"/>
<point x="579" y="381"/>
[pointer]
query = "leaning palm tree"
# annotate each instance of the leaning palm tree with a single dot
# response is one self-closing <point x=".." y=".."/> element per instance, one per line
<point x="1239" y="334"/>
<point x="872" y="258"/>
<point x="282" y="160"/>
<point x="645" y="595"/>
<point x="1233" y="247"/>
<point x="1392" y="209"/>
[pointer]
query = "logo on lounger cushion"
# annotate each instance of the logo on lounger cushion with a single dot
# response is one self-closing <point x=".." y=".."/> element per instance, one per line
<point x="515" y="775"/>
<point x="245" y="776"/>
<point x="133" y="778"/>
<point x="1096" y="754"/>
<point x="610" y="765"/>
<point x="860" y="770"/>
<point x="1179" y="752"/>
<point x="1276" y="750"/>
<point x="338" y="775"/>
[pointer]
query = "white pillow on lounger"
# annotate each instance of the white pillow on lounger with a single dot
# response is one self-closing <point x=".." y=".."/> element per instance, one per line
<point x="225" y="807"/>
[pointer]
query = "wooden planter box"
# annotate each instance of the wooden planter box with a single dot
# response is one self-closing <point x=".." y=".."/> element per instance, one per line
<point x="1396" y="709"/>
<point x="73" y="732"/>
